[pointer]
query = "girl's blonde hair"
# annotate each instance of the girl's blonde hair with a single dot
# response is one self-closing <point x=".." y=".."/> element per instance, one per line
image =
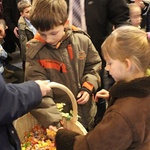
<point x="47" y="14"/>
<point x="128" y="42"/>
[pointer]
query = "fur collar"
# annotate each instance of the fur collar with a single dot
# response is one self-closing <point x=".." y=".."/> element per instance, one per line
<point x="136" y="88"/>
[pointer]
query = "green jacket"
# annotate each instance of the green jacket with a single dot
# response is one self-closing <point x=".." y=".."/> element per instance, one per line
<point x="25" y="34"/>
<point x="74" y="63"/>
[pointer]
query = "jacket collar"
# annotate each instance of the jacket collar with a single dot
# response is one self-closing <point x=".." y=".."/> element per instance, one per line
<point x="136" y="88"/>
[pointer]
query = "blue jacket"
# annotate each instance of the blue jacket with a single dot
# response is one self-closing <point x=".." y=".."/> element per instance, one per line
<point x="15" y="101"/>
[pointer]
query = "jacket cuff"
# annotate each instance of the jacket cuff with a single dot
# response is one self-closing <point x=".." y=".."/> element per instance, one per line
<point x="65" y="139"/>
<point x="88" y="86"/>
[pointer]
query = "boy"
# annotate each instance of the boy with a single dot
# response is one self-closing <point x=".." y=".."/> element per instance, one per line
<point x="26" y="29"/>
<point x="62" y="55"/>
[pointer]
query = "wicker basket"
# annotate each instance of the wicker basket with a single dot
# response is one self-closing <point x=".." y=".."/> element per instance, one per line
<point x="27" y="122"/>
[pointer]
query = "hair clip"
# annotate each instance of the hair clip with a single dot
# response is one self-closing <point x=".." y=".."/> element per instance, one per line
<point x="148" y="36"/>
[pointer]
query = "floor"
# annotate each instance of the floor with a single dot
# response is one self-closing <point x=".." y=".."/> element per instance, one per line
<point x="16" y="65"/>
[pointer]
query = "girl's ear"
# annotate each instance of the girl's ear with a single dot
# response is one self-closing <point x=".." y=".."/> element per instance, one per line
<point x="128" y="64"/>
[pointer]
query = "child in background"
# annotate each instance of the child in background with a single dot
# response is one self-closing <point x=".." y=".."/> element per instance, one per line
<point x="3" y="54"/>
<point x="25" y="28"/>
<point x="135" y="14"/>
<point x="126" y="122"/>
<point x="61" y="54"/>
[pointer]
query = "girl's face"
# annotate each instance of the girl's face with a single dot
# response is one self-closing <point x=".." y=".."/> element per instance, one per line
<point x="117" y="69"/>
<point x="53" y="36"/>
<point x="135" y="17"/>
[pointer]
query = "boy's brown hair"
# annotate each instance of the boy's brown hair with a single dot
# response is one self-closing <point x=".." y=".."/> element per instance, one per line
<point x="23" y="4"/>
<point x="47" y="14"/>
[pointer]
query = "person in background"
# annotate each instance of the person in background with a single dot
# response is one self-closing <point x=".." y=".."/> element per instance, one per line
<point x="135" y="15"/>
<point x="148" y="21"/>
<point x="11" y="15"/>
<point x="98" y="18"/>
<point x="144" y="10"/>
<point x="64" y="55"/>
<point x="16" y="100"/>
<point x="1" y="10"/>
<point x="126" y="123"/>
<point x="7" y="73"/>
<point x="25" y="28"/>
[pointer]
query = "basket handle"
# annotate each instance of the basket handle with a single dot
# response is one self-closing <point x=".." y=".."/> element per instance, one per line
<point x="71" y="96"/>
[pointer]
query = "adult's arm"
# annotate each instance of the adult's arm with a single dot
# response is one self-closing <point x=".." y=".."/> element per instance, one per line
<point x="17" y="99"/>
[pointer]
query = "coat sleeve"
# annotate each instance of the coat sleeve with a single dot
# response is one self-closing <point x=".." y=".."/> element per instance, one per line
<point x="92" y="67"/>
<point x="22" y="37"/>
<point x="17" y="99"/>
<point x="46" y="113"/>
<point x="113" y="132"/>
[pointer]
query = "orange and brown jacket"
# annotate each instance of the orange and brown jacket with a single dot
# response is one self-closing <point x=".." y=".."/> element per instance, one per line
<point x="74" y="62"/>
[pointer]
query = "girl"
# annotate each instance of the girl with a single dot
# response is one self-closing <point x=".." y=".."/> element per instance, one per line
<point x="126" y="122"/>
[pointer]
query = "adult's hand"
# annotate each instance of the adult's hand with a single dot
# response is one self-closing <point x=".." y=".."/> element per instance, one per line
<point x="140" y="3"/>
<point x="44" y="86"/>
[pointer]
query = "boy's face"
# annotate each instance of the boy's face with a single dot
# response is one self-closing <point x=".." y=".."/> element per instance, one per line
<point x="53" y="36"/>
<point x="2" y="31"/>
<point x="26" y="12"/>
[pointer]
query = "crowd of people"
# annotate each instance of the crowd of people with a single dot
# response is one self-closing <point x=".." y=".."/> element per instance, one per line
<point x="103" y="60"/>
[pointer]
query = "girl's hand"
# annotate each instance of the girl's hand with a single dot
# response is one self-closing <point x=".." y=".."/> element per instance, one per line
<point x="51" y="132"/>
<point x="102" y="94"/>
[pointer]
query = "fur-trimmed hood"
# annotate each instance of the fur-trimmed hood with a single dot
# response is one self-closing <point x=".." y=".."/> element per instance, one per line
<point x="139" y="88"/>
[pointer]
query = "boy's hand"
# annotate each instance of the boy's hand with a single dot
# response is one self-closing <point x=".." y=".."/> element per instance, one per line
<point x="102" y="94"/>
<point x="16" y="32"/>
<point x="83" y="97"/>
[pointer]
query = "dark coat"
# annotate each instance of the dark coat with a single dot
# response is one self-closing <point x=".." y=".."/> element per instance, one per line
<point x="15" y="101"/>
<point x="99" y="14"/>
<point x="11" y="13"/>
<point x="125" y="125"/>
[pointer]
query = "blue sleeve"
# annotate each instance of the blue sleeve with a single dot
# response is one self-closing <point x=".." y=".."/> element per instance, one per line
<point x="17" y="99"/>
<point x="3" y="53"/>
